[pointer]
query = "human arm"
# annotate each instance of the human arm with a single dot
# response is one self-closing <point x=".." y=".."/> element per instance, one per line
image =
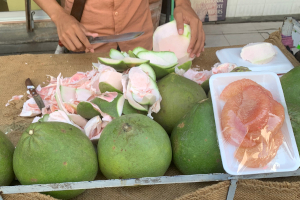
<point x="70" y="32"/>
<point x="184" y="13"/>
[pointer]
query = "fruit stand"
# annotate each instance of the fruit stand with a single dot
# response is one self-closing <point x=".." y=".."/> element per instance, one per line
<point x="173" y="184"/>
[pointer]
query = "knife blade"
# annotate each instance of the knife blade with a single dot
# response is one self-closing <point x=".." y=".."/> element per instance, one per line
<point x="115" y="38"/>
<point x="35" y="95"/>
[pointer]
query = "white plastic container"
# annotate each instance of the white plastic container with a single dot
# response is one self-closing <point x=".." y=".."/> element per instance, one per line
<point x="280" y="64"/>
<point x="287" y="158"/>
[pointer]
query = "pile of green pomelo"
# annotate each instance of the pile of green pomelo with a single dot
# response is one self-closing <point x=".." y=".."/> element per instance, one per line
<point x="133" y="145"/>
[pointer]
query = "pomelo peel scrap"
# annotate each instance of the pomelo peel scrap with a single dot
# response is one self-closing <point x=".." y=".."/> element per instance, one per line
<point x="251" y="121"/>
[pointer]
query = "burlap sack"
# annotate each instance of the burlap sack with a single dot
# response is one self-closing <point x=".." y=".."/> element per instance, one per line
<point x="14" y="70"/>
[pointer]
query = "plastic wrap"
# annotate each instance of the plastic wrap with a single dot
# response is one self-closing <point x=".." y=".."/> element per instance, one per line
<point x="254" y="130"/>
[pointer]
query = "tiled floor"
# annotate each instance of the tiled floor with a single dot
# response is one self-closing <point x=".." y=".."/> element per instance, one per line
<point x="238" y="34"/>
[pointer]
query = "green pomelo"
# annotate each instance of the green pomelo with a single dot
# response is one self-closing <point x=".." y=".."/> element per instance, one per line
<point x="128" y="109"/>
<point x="290" y="84"/>
<point x="209" y="94"/>
<point x="113" y="108"/>
<point x="134" y="146"/>
<point x="105" y="87"/>
<point x="294" y="114"/>
<point x="86" y="110"/>
<point x="6" y="160"/>
<point x="179" y="95"/>
<point x="55" y="152"/>
<point x="194" y="142"/>
<point x="205" y="86"/>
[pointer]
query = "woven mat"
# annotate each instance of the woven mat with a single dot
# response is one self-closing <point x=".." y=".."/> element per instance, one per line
<point x="14" y="70"/>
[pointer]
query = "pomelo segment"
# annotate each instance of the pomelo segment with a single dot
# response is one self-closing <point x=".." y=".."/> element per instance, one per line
<point x="248" y="111"/>
<point x="254" y="109"/>
<point x="251" y="120"/>
<point x="275" y="121"/>
<point x="238" y="86"/>
<point x="261" y="154"/>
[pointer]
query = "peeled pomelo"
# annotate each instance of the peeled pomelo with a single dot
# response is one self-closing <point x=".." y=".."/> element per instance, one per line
<point x="258" y="53"/>
<point x="134" y="146"/>
<point x="166" y="38"/>
<point x="55" y="152"/>
<point x="238" y="86"/>
<point x="6" y="160"/>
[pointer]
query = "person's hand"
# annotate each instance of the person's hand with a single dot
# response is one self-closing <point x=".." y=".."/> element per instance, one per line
<point x="73" y="34"/>
<point x="184" y="13"/>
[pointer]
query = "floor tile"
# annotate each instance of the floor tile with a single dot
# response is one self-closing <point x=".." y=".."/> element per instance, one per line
<point x="218" y="29"/>
<point x="267" y="25"/>
<point x="265" y="35"/>
<point x="215" y="41"/>
<point x="241" y="39"/>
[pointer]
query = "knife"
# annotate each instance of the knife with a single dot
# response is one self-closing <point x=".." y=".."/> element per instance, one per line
<point x="113" y="38"/>
<point x="34" y="94"/>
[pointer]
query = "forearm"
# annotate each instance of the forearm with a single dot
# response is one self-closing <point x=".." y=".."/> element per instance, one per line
<point x="51" y="7"/>
<point x="182" y="2"/>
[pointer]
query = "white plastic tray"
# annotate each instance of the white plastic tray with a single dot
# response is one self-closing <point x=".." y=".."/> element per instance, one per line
<point x="287" y="158"/>
<point x="280" y="64"/>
